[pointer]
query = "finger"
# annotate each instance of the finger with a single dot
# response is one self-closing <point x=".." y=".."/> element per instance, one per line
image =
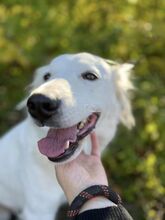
<point x="95" y="145"/>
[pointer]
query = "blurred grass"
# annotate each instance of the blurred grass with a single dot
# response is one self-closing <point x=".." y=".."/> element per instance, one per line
<point x="33" y="32"/>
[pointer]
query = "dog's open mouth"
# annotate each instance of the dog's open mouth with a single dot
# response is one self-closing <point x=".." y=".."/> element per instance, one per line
<point x="60" y="144"/>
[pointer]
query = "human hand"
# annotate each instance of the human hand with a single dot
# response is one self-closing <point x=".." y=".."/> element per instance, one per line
<point x="84" y="171"/>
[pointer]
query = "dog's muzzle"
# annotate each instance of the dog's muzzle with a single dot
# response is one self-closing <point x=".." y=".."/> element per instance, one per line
<point x="42" y="108"/>
<point x="60" y="143"/>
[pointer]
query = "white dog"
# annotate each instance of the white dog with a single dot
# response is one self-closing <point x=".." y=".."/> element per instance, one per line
<point x="70" y="97"/>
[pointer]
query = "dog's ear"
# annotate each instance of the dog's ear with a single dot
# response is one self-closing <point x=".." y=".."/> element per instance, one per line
<point x="37" y="81"/>
<point x="21" y="105"/>
<point x="111" y="62"/>
<point x="123" y="86"/>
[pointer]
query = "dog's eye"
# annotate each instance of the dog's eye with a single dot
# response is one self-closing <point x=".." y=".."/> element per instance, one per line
<point x="47" y="76"/>
<point x="89" y="76"/>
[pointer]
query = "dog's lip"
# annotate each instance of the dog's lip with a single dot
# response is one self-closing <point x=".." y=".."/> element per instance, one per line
<point x="66" y="155"/>
<point x="73" y="146"/>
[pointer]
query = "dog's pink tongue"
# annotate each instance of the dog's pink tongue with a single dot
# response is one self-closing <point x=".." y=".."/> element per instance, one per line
<point x="56" y="140"/>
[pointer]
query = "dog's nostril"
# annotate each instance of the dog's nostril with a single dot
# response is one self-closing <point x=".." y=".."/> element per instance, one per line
<point x="42" y="107"/>
<point x="49" y="106"/>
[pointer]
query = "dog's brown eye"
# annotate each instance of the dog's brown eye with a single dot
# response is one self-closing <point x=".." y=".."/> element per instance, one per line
<point x="89" y="76"/>
<point x="47" y="76"/>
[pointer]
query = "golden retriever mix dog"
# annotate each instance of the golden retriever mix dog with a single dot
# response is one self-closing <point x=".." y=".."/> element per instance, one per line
<point x="70" y="97"/>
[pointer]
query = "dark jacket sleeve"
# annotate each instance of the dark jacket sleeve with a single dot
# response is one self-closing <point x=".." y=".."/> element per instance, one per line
<point x="110" y="213"/>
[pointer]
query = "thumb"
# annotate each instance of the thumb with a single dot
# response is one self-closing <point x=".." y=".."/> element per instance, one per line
<point x="95" y="145"/>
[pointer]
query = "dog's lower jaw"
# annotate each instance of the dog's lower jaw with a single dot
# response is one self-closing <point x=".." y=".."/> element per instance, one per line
<point x="107" y="133"/>
<point x="76" y="153"/>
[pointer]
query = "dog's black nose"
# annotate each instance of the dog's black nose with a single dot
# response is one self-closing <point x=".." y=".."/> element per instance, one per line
<point x="41" y="107"/>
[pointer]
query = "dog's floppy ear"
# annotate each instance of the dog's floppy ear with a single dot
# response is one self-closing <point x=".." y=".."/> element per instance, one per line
<point x="37" y="81"/>
<point x="21" y="105"/>
<point x="123" y="86"/>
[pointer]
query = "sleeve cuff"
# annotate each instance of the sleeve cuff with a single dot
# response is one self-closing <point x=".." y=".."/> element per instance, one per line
<point x="114" y="213"/>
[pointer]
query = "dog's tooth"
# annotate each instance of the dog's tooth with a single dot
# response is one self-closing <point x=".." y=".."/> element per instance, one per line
<point x="81" y="125"/>
<point x="66" y="145"/>
<point x="85" y="121"/>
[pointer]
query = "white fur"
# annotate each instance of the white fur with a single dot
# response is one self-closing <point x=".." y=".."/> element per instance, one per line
<point x="27" y="181"/>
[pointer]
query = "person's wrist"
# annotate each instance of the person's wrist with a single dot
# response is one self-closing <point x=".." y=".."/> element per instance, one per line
<point x="90" y="193"/>
<point x="97" y="203"/>
<point x="72" y="194"/>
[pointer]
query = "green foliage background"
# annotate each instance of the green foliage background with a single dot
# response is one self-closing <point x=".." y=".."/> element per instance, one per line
<point x="33" y="32"/>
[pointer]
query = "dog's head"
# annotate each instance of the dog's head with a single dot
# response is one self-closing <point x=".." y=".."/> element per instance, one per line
<point x="75" y="94"/>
